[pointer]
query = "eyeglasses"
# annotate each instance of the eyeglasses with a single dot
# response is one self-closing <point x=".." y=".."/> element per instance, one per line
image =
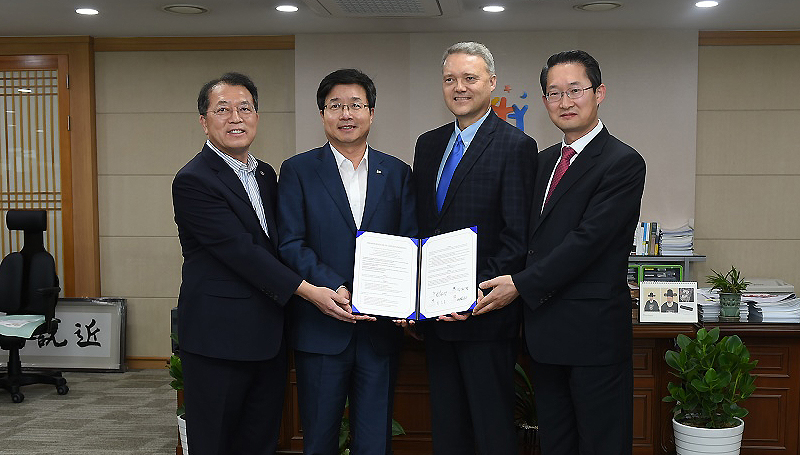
<point x="336" y="107"/>
<point x="245" y="110"/>
<point x="573" y="94"/>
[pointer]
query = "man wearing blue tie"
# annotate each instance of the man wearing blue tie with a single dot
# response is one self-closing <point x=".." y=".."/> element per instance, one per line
<point x="325" y="196"/>
<point x="476" y="171"/>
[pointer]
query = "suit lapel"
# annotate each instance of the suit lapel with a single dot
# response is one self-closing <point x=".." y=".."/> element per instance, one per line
<point x="225" y="173"/>
<point x="231" y="180"/>
<point x="582" y="164"/>
<point x="376" y="181"/>
<point x="429" y="168"/>
<point x="329" y="175"/>
<point x="482" y="139"/>
<point x="547" y="163"/>
<point x="266" y="200"/>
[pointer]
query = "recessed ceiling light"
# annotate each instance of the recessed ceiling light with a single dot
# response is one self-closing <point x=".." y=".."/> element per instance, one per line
<point x="185" y="9"/>
<point x="598" y="6"/>
<point x="706" y="4"/>
<point x="286" y="8"/>
<point x="494" y="9"/>
<point x="87" y="11"/>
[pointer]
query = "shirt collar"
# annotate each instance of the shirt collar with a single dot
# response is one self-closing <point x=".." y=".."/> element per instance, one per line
<point x="235" y="164"/>
<point x="341" y="158"/>
<point x="583" y="141"/>
<point x="468" y="133"/>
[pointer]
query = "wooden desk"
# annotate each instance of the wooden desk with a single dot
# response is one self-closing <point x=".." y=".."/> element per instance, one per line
<point x="772" y="427"/>
<point x="773" y="424"/>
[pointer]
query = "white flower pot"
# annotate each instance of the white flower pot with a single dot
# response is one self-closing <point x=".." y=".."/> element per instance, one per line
<point x="701" y="441"/>
<point x="182" y="431"/>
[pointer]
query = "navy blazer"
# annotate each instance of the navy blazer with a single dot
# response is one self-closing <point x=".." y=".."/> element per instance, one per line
<point x="233" y="287"/>
<point x="578" y="249"/>
<point x="318" y="236"/>
<point x="492" y="189"/>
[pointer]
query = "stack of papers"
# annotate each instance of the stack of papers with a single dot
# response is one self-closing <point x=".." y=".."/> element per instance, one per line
<point x="764" y="300"/>
<point x="777" y="308"/>
<point x="678" y="241"/>
<point x="20" y="325"/>
<point x="708" y="306"/>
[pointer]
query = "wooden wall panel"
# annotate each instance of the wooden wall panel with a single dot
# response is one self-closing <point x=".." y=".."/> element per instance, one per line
<point x="82" y="139"/>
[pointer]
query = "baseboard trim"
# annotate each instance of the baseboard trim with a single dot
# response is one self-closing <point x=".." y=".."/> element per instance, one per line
<point x="146" y="363"/>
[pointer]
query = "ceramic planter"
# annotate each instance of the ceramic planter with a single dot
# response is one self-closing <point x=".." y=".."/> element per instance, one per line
<point x="729" y="306"/>
<point x="182" y="431"/>
<point x="700" y="441"/>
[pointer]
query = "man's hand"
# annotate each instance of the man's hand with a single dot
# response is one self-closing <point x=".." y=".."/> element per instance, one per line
<point x="328" y="301"/>
<point x="343" y="292"/>
<point x="453" y="317"/>
<point x="503" y="292"/>
<point x="456" y="316"/>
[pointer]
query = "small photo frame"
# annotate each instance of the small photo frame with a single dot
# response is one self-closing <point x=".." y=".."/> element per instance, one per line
<point x="668" y="301"/>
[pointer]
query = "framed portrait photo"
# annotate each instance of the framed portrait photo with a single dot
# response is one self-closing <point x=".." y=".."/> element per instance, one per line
<point x="668" y="301"/>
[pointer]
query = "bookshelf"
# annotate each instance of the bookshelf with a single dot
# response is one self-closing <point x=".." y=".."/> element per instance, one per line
<point x="684" y="261"/>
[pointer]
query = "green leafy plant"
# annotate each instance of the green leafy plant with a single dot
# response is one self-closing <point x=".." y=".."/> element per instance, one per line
<point x="524" y="404"/>
<point x="344" y="431"/>
<point x="176" y="373"/>
<point x="715" y="376"/>
<point x="730" y="283"/>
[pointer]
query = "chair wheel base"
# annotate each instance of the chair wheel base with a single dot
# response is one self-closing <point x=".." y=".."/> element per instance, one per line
<point x="17" y="397"/>
<point x="62" y="389"/>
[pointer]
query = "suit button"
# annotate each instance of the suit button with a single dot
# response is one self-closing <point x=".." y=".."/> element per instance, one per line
<point x="437" y="232"/>
<point x="531" y="252"/>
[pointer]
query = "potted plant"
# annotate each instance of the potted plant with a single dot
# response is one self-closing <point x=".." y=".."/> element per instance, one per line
<point x="176" y="373"/>
<point x="730" y="287"/>
<point x="344" y="431"/>
<point x="714" y="377"/>
<point x="525" y="415"/>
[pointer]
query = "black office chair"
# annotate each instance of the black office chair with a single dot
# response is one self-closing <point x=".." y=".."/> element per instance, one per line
<point x="28" y="286"/>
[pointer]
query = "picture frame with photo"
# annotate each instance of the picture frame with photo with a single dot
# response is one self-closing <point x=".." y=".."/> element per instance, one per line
<point x="668" y="301"/>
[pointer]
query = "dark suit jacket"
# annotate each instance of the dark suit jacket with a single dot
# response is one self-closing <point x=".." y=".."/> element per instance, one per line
<point x="491" y="188"/>
<point x="233" y="287"/>
<point x="318" y="236"/>
<point x="577" y="302"/>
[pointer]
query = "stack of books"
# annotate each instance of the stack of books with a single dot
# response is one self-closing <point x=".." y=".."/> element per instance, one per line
<point x="678" y="241"/>
<point x="646" y="239"/>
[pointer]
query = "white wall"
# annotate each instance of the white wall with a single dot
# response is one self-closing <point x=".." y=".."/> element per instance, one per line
<point x="748" y="165"/>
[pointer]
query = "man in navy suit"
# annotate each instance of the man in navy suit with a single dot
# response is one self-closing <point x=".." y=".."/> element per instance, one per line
<point x="476" y="171"/>
<point x="577" y="318"/>
<point x="325" y="196"/>
<point x="233" y="289"/>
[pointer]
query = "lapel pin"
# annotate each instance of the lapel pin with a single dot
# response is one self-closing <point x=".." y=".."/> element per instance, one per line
<point x="378" y="171"/>
<point x="261" y="172"/>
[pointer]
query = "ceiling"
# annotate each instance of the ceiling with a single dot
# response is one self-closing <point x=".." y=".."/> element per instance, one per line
<point x="119" y="18"/>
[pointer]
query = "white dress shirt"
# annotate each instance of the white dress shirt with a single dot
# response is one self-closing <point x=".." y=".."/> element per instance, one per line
<point x="247" y="175"/>
<point x="354" y="180"/>
<point x="578" y="146"/>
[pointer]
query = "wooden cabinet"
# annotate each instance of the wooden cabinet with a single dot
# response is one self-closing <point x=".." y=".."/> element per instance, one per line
<point x="772" y="427"/>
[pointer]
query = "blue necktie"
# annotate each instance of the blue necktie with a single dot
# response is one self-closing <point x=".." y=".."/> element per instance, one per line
<point x="448" y="171"/>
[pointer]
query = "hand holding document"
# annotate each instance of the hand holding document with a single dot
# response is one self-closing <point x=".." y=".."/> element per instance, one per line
<point x="407" y="278"/>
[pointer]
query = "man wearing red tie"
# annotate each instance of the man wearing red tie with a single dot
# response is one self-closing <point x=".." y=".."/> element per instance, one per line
<point x="577" y="319"/>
